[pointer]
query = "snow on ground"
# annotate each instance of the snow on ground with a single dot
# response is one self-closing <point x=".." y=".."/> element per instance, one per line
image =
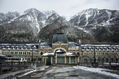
<point x="27" y="73"/>
<point x="34" y="70"/>
<point x="97" y="70"/>
<point x="114" y="64"/>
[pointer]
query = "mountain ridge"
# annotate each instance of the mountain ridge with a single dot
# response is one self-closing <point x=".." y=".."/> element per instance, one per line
<point x="32" y="24"/>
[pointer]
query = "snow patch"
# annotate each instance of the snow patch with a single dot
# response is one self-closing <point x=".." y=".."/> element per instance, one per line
<point x="82" y="29"/>
<point x="46" y="54"/>
<point x="109" y="18"/>
<point x="109" y="14"/>
<point x="69" y="54"/>
<point x="87" y="17"/>
<point x="48" y="13"/>
<point x="43" y="22"/>
<point x="27" y="73"/>
<point x="29" y="18"/>
<point x="97" y="70"/>
<point x="12" y="20"/>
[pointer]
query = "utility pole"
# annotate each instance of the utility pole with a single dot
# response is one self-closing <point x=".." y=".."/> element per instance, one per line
<point x="94" y="58"/>
<point x="32" y="59"/>
<point x="32" y="55"/>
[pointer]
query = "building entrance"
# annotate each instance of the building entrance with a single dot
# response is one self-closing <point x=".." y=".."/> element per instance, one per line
<point x="60" y="60"/>
<point x="60" y="54"/>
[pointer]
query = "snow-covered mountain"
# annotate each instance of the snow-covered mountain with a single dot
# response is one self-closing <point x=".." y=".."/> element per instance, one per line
<point x="4" y="18"/>
<point x="90" y="24"/>
<point x="103" y="24"/>
<point x="58" y="24"/>
<point x="30" y="22"/>
<point x="22" y="28"/>
<point x="92" y="18"/>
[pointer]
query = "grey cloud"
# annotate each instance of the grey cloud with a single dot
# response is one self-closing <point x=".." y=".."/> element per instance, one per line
<point x="63" y="7"/>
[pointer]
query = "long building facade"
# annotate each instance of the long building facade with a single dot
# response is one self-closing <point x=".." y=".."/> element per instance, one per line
<point x="61" y="51"/>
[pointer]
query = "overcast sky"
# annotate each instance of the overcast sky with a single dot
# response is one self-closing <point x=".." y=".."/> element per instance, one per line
<point x="63" y="7"/>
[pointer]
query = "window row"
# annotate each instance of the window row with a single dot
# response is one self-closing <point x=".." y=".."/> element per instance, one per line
<point x="17" y="53"/>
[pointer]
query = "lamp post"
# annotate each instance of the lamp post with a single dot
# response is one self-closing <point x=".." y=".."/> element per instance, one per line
<point x="32" y="56"/>
<point x="94" y="64"/>
<point x="94" y="57"/>
<point x="32" y="60"/>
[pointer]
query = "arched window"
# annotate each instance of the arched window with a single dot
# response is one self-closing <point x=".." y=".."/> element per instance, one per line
<point x="78" y="54"/>
<point x="41" y="53"/>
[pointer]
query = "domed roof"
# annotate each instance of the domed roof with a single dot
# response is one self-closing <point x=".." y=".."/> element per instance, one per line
<point x="59" y="37"/>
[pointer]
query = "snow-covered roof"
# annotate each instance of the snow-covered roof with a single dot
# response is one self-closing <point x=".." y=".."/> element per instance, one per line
<point x="70" y="54"/>
<point x="59" y="50"/>
<point x="44" y="44"/>
<point x="48" y="54"/>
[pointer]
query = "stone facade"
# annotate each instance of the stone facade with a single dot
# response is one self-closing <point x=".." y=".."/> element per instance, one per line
<point x="67" y="55"/>
<point x="85" y="54"/>
<point x="102" y="54"/>
<point x="63" y="52"/>
<point x="20" y="51"/>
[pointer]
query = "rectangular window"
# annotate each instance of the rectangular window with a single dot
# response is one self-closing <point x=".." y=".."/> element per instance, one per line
<point x="20" y="53"/>
<point x="12" y="52"/>
<point x="67" y="60"/>
<point x="23" y="53"/>
<point x="72" y="59"/>
<point x="15" y="52"/>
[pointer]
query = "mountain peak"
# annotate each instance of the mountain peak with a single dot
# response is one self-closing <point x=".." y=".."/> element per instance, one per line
<point x="33" y="11"/>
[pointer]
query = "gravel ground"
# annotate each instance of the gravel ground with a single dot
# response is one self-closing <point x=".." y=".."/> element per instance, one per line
<point x="68" y="72"/>
<point x="63" y="72"/>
